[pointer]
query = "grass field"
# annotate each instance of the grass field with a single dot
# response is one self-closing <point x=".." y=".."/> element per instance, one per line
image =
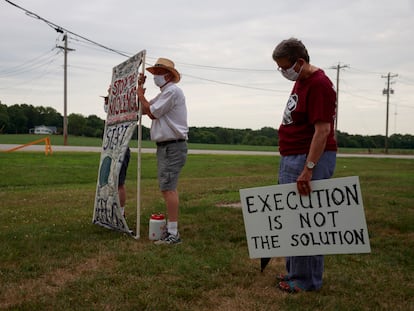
<point x="97" y="142"/>
<point x="53" y="258"/>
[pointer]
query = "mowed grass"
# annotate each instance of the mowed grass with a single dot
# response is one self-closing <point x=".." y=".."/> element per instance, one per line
<point x="53" y="258"/>
<point x="97" y="142"/>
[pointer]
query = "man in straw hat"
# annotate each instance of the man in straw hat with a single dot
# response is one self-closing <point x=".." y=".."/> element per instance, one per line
<point x="169" y="130"/>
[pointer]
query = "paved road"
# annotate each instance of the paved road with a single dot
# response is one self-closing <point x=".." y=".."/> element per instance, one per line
<point x="4" y="147"/>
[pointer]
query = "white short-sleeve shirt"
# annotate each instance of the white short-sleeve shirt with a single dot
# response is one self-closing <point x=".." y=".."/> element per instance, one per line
<point x="170" y="112"/>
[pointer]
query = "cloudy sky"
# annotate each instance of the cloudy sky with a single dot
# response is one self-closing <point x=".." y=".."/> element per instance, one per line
<point x="223" y="51"/>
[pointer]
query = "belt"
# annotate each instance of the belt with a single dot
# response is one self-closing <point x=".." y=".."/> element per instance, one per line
<point x="167" y="142"/>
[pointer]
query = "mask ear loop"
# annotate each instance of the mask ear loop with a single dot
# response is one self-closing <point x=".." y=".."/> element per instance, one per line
<point x="300" y="70"/>
<point x="167" y="80"/>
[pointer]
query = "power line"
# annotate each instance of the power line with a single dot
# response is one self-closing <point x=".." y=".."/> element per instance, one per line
<point x="226" y="68"/>
<point x="362" y="97"/>
<point x="364" y="71"/>
<point x="31" y="64"/>
<point x="406" y="81"/>
<point x="209" y="67"/>
<point x="61" y="29"/>
<point x="83" y="40"/>
<point x="88" y="44"/>
<point x="33" y="78"/>
<point x="81" y="43"/>
<point x="234" y="84"/>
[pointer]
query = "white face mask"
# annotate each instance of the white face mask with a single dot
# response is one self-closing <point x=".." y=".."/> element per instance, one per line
<point x="159" y="80"/>
<point x="290" y="73"/>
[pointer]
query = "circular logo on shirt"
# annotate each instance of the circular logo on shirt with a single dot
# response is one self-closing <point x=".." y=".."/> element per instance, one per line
<point x="290" y="106"/>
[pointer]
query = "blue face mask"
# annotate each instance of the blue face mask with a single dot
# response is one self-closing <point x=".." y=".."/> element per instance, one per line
<point x="159" y="80"/>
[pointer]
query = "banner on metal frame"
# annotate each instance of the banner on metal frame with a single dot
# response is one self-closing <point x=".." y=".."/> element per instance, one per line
<point x="121" y="120"/>
<point x="280" y="222"/>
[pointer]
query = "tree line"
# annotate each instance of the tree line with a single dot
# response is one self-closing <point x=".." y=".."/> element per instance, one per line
<point x="20" y="119"/>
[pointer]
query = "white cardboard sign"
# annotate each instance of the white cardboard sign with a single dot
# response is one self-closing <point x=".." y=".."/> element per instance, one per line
<point x="120" y="124"/>
<point x="280" y="222"/>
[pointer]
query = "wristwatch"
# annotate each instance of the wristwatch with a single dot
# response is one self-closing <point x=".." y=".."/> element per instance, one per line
<point x="310" y="165"/>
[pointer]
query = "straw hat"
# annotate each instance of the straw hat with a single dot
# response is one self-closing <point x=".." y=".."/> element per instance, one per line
<point x="164" y="63"/>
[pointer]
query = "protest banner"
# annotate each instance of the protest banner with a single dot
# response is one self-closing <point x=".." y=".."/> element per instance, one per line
<point x="280" y="222"/>
<point x="120" y="124"/>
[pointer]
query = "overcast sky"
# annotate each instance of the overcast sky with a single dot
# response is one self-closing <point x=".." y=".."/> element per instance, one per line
<point x="223" y="51"/>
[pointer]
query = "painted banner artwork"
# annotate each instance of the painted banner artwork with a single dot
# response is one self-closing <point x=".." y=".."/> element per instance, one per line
<point x="119" y="127"/>
<point x="280" y="222"/>
<point x="122" y="103"/>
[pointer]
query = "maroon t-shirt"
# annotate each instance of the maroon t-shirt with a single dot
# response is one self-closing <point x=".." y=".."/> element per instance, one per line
<point x="312" y="100"/>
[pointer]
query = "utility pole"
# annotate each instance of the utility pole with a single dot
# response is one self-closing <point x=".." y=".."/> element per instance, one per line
<point x="65" y="87"/>
<point x="387" y="92"/>
<point x="338" y="69"/>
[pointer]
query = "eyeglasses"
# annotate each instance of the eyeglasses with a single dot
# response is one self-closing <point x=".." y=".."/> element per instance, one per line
<point x="287" y="69"/>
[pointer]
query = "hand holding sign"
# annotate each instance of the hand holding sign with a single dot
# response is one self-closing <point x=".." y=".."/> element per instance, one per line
<point x="304" y="187"/>
<point x="141" y="79"/>
<point x="303" y="182"/>
<point x="141" y="89"/>
<point x="281" y="222"/>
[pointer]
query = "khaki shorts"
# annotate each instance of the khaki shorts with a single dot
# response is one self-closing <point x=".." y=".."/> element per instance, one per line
<point x="170" y="160"/>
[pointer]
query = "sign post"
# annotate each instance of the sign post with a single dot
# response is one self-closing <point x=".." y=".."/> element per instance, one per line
<point x="137" y="235"/>
<point x="123" y="111"/>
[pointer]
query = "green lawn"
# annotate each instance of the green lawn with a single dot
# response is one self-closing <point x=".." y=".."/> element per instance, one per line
<point x="53" y="258"/>
<point x="89" y="141"/>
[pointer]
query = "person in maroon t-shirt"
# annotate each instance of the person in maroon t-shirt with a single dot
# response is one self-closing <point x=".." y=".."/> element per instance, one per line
<point x="307" y="145"/>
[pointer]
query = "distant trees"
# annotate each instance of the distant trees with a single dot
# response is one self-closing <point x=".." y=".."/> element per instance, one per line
<point x="19" y="119"/>
<point x="395" y="141"/>
<point x="91" y="126"/>
<point x="398" y="141"/>
<point x="266" y="136"/>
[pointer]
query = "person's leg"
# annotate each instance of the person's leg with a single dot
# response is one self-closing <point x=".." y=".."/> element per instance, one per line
<point x="307" y="271"/>
<point x="172" y="202"/>
<point x="121" y="181"/>
<point x="289" y="170"/>
<point x="170" y="161"/>
<point x="122" y="194"/>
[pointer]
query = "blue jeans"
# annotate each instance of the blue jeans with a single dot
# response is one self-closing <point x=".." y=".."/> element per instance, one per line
<point x="307" y="270"/>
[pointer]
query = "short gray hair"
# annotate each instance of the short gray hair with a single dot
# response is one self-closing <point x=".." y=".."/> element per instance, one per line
<point x="292" y="49"/>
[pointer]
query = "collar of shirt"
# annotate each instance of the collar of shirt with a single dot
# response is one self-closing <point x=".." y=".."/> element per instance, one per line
<point x="166" y="85"/>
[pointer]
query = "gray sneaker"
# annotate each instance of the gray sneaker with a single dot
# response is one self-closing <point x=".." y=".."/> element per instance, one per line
<point x="169" y="239"/>
<point x="164" y="233"/>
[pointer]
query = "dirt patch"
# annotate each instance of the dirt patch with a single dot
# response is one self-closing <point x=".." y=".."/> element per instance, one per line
<point x="50" y="283"/>
<point x="232" y="205"/>
<point x="259" y="293"/>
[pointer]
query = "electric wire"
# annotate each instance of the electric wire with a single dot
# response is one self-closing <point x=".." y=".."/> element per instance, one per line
<point x="61" y="29"/>
<point x="226" y="68"/>
<point x="83" y="41"/>
<point x="89" y="45"/>
<point x="361" y="96"/>
<point x="31" y="64"/>
<point x="233" y="84"/>
<point x="351" y="68"/>
<point x="45" y="72"/>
